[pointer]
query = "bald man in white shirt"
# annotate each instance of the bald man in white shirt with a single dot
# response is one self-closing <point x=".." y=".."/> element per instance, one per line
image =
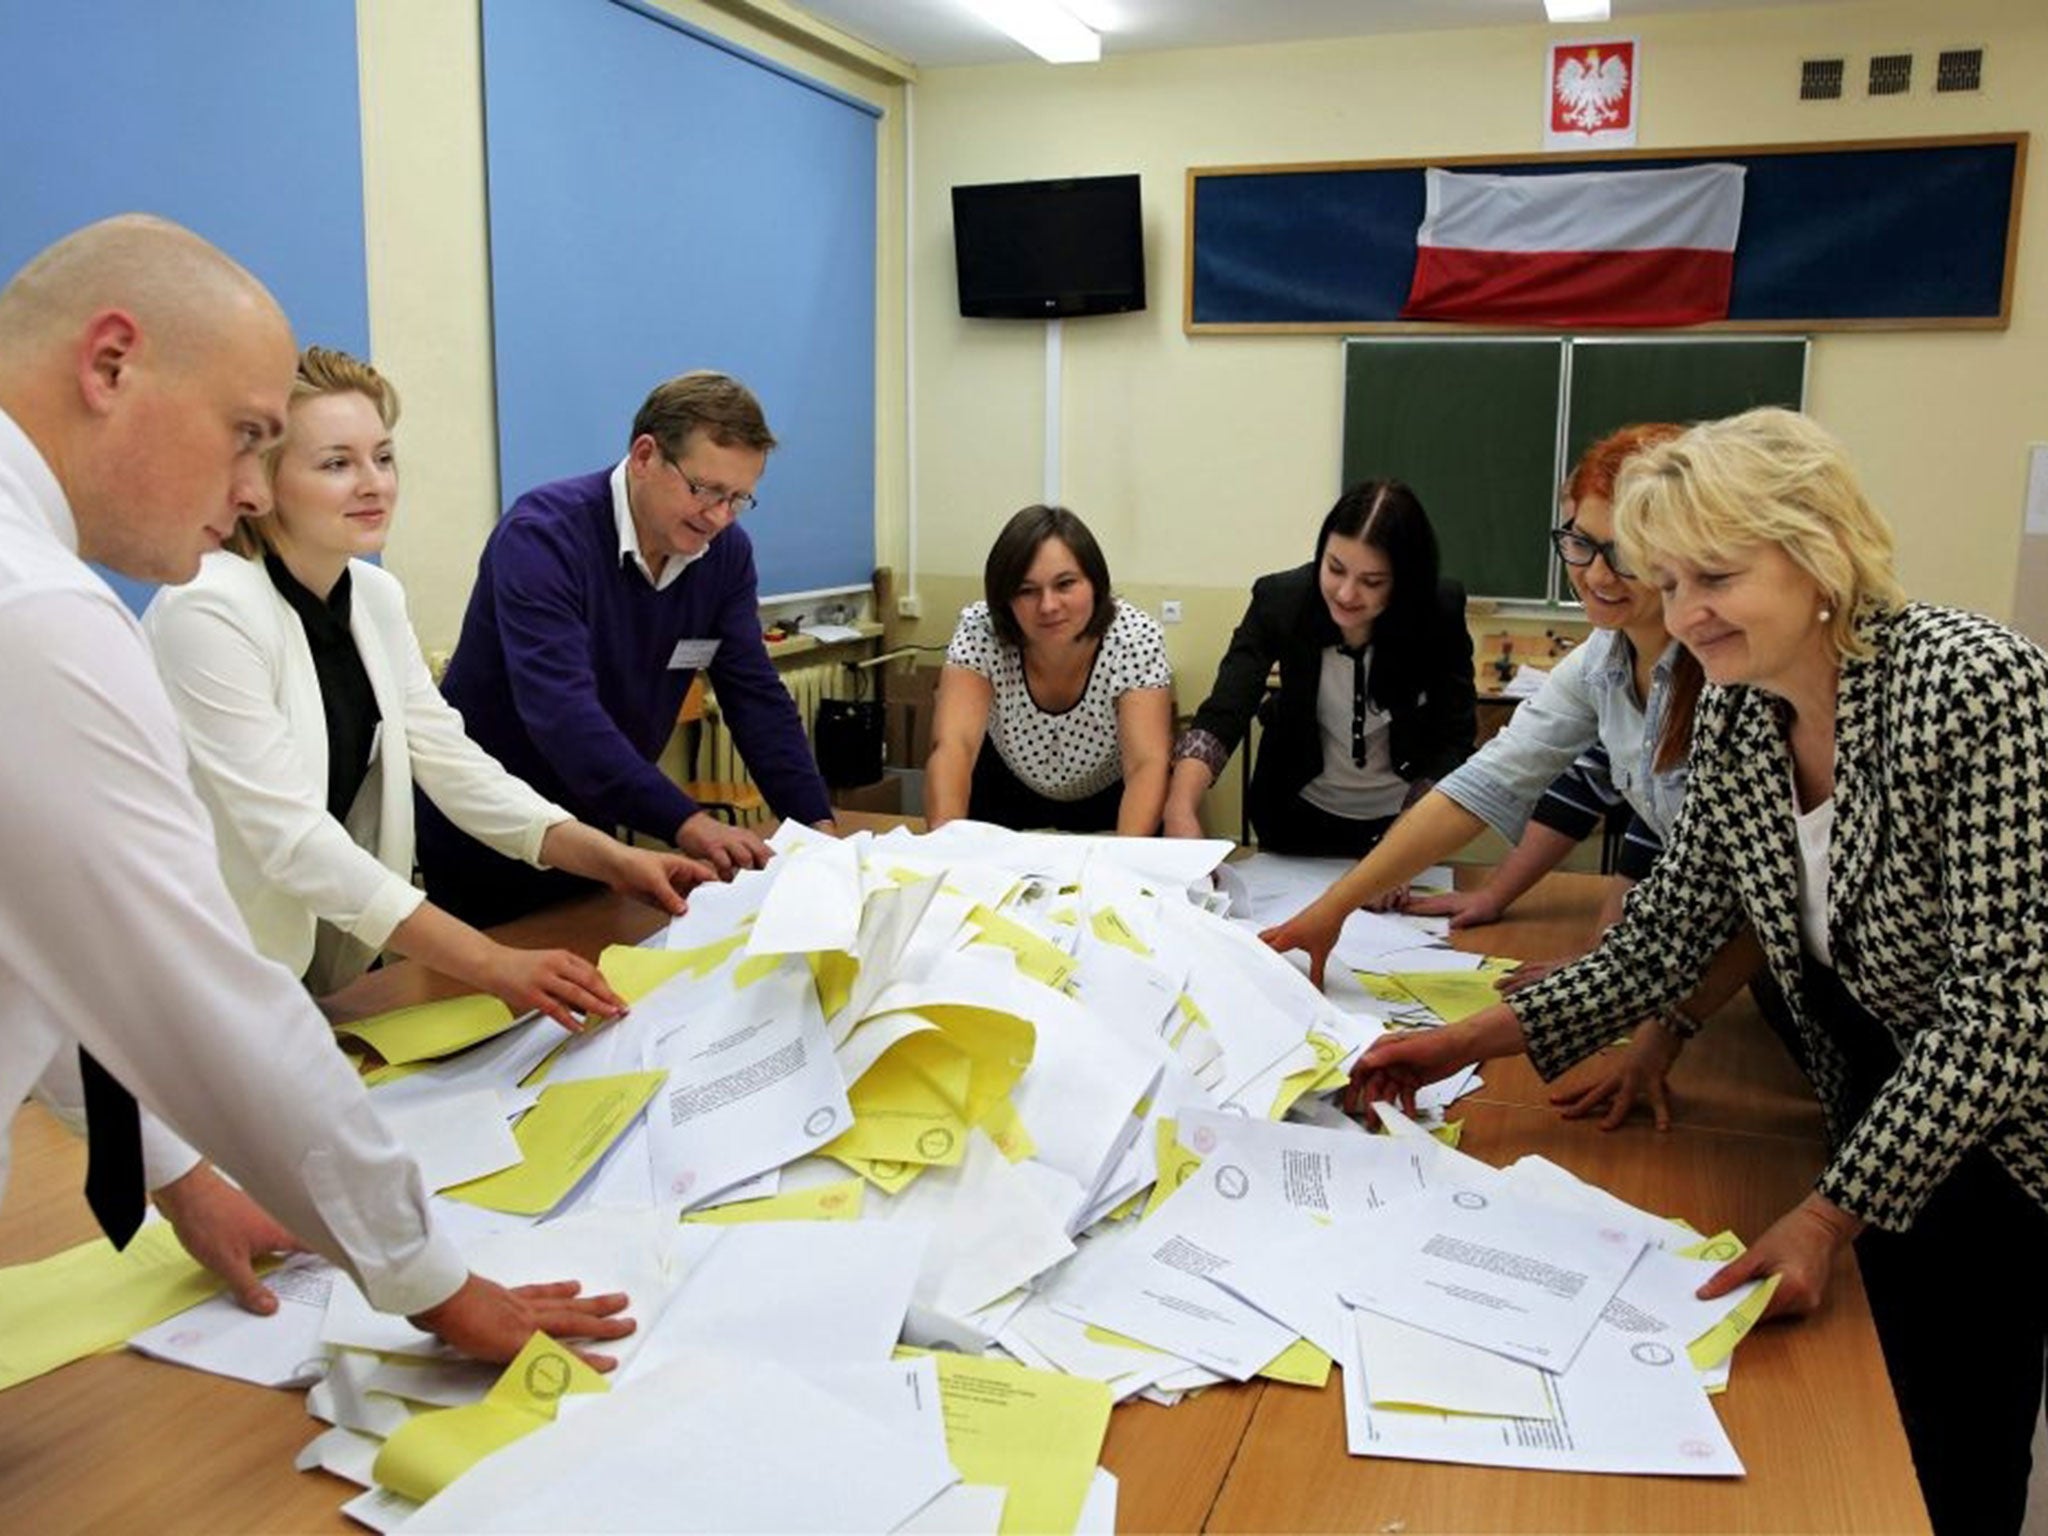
<point x="142" y="376"/>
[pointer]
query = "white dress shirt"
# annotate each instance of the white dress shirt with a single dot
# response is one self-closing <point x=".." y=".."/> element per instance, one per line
<point x="117" y="932"/>
<point x="235" y="660"/>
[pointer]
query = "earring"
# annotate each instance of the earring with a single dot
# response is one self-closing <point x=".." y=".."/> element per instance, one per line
<point x="1826" y="613"/>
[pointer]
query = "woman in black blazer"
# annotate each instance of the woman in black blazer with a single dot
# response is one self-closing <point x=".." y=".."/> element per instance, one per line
<point x="1376" y="698"/>
<point x="1868" y="794"/>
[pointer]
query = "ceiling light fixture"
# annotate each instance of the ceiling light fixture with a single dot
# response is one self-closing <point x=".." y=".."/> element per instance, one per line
<point x="1561" y="11"/>
<point x="1044" y="27"/>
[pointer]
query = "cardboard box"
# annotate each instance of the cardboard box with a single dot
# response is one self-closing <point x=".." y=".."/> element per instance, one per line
<point x="907" y="716"/>
<point x="884" y="796"/>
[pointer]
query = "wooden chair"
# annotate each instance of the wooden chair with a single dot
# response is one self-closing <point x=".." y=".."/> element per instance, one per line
<point x="728" y="799"/>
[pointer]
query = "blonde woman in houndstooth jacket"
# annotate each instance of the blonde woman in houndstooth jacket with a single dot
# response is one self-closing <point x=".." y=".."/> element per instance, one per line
<point x="1868" y="793"/>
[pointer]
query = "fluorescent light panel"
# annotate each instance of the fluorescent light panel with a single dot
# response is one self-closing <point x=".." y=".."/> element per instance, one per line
<point x="1045" y="28"/>
<point x="1560" y="11"/>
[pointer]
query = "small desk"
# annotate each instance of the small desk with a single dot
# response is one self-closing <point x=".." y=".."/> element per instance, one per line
<point x="122" y="1442"/>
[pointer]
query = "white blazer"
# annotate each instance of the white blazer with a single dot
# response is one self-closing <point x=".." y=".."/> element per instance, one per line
<point x="236" y="664"/>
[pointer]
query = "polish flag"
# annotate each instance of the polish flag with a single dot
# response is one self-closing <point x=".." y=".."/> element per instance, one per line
<point x="1581" y="248"/>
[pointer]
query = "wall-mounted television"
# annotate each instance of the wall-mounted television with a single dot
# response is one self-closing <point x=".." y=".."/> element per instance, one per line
<point x="1040" y="250"/>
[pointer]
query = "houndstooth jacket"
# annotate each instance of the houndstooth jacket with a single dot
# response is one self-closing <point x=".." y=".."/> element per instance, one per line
<point x="1937" y="902"/>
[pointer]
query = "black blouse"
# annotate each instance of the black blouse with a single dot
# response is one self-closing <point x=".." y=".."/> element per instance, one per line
<point x="345" y="696"/>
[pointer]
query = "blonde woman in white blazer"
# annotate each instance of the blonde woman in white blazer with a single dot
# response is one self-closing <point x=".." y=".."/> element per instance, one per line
<point x="310" y="715"/>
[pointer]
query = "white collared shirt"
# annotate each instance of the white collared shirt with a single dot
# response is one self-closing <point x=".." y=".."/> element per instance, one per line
<point x="109" y="850"/>
<point x="629" y="537"/>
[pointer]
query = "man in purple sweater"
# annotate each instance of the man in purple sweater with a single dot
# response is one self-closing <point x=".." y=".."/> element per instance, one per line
<point x="597" y="600"/>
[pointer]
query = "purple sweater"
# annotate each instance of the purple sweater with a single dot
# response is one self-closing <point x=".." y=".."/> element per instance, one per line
<point x="563" y="670"/>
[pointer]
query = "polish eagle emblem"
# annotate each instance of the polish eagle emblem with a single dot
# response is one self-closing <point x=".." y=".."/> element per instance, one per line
<point x="1591" y="91"/>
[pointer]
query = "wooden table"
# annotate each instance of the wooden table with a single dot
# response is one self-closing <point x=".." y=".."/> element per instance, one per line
<point x="120" y="1442"/>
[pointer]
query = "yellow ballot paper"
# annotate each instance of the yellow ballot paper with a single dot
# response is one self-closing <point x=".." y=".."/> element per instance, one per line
<point x="90" y="1299"/>
<point x="833" y="974"/>
<point x="1005" y="1127"/>
<point x="1450" y="995"/>
<point x="885" y="1173"/>
<point x="1300" y="1364"/>
<point x="427" y="1030"/>
<point x="911" y="1105"/>
<point x="1176" y="1162"/>
<point x="634" y="972"/>
<point x="1037" y="957"/>
<point x="706" y="958"/>
<point x="1324" y="1075"/>
<point x="1036" y="1433"/>
<point x="840" y="1201"/>
<point x="1719" y="1341"/>
<point x="560" y="1140"/>
<point x="1112" y="929"/>
<point x="430" y="1450"/>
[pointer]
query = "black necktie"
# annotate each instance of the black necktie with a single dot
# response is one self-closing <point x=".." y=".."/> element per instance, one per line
<point x="113" y="1167"/>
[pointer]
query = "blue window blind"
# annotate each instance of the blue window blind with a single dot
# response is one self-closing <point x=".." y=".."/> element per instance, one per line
<point x="660" y="201"/>
<point x="237" y="118"/>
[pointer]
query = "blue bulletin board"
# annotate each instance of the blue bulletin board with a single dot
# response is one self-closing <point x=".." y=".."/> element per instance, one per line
<point x="1884" y="234"/>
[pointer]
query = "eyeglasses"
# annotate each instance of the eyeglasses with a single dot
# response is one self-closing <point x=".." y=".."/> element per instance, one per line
<point x="1575" y="548"/>
<point x="741" y="502"/>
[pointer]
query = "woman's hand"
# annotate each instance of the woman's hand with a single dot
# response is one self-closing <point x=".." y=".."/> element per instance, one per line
<point x="1799" y="1248"/>
<point x="1465" y="909"/>
<point x="1400" y="1063"/>
<point x="487" y="1321"/>
<point x="1313" y="930"/>
<point x="1635" y="1075"/>
<point x="552" y="981"/>
<point x="1527" y="974"/>
<point x="657" y="878"/>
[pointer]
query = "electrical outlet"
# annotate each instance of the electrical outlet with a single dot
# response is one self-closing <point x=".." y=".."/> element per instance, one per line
<point x="909" y="606"/>
<point x="1169" y="611"/>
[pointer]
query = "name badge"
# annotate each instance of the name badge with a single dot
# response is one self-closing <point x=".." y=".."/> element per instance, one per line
<point x="692" y="655"/>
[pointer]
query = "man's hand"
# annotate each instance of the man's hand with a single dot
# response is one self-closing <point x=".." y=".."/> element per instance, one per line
<point x="727" y="849"/>
<point x="486" y="1321"/>
<point x="1799" y="1247"/>
<point x="659" y="879"/>
<point x="1635" y="1076"/>
<point x="226" y="1231"/>
<point x="555" y="982"/>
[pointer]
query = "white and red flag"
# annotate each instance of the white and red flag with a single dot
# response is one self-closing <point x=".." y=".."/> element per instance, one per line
<point x="1638" y="248"/>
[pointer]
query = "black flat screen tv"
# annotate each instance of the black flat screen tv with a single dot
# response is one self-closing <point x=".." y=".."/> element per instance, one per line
<point x="1042" y="250"/>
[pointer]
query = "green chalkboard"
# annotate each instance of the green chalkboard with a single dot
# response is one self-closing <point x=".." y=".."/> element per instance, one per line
<point x="1472" y="426"/>
<point x="1615" y="382"/>
<point x="1485" y="429"/>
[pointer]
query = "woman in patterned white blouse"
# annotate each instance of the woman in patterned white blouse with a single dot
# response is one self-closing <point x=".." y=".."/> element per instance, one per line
<point x="1868" y="795"/>
<point x="1055" y="704"/>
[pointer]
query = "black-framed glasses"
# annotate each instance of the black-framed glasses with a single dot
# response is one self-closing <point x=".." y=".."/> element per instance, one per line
<point x="741" y="502"/>
<point x="1576" y="548"/>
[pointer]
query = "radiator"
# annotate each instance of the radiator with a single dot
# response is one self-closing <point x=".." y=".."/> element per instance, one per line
<point x="808" y="682"/>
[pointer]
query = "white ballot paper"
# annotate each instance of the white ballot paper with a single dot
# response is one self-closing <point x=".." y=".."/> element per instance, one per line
<point x="815" y="902"/>
<point x="1519" y="1278"/>
<point x="711" y="1443"/>
<point x="1170" y="1289"/>
<point x="796" y="1291"/>
<point x="752" y="1082"/>
<point x="458" y="1138"/>
<point x="281" y="1350"/>
<point x="1630" y="1403"/>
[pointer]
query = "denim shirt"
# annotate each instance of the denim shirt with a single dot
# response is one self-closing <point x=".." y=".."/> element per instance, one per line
<point x="1588" y="699"/>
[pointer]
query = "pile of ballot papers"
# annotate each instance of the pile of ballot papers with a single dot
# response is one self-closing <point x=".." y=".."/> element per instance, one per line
<point x="915" y="1155"/>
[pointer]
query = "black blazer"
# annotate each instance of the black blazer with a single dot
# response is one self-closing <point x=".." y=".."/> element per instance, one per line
<point x="1429" y="694"/>
<point x="1937" y="903"/>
